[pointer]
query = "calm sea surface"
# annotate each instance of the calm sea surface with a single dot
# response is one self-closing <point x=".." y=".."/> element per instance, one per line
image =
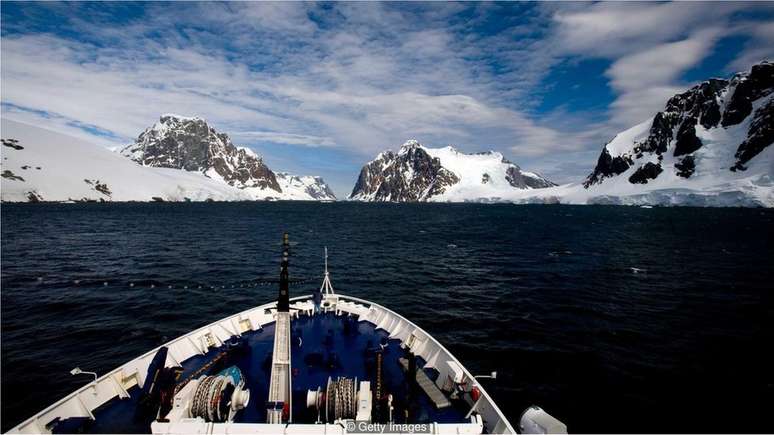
<point x="613" y="319"/>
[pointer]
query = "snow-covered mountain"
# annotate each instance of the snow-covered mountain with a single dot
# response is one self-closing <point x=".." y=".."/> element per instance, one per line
<point x="304" y="187"/>
<point x="418" y="173"/>
<point x="41" y="165"/>
<point x="713" y="139"/>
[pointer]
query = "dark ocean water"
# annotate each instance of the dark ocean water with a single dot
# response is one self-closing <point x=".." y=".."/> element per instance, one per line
<point x="613" y="319"/>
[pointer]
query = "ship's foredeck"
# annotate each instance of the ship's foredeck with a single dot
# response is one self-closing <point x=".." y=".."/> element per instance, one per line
<point x="322" y="345"/>
<point x="338" y="341"/>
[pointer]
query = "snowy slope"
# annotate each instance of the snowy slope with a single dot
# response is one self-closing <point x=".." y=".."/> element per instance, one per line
<point x="483" y="175"/>
<point x="419" y="173"/>
<point x="39" y="164"/>
<point x="623" y="141"/>
<point x="304" y="187"/>
<point x="753" y="188"/>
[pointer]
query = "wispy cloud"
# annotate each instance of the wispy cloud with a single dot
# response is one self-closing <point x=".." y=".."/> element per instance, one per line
<point x="646" y="79"/>
<point x="285" y="138"/>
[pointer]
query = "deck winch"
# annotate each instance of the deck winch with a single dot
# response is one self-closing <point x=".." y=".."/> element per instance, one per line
<point x="343" y="399"/>
<point x="215" y="398"/>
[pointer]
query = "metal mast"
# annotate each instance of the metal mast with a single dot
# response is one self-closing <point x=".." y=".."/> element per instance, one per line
<point x="279" y="406"/>
<point x="283" y="301"/>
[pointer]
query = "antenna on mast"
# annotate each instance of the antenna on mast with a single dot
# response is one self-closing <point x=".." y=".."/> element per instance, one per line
<point x="327" y="287"/>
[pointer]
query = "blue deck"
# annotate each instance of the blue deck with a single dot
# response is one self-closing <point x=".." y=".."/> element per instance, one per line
<point x="348" y="345"/>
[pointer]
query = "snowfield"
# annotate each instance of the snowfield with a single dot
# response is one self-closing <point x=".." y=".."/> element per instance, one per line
<point x="303" y="187"/>
<point x="471" y="170"/>
<point x="748" y="191"/>
<point x="48" y="166"/>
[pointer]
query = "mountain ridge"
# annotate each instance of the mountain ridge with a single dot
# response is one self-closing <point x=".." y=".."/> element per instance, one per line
<point x="709" y="146"/>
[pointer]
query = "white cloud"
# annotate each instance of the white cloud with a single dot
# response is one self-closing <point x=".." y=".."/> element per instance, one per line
<point x="660" y="64"/>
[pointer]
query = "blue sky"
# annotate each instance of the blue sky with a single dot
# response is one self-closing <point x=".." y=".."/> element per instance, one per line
<point x="321" y="88"/>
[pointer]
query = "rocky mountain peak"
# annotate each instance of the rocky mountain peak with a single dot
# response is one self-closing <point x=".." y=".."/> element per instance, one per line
<point x="190" y="143"/>
<point x="410" y="175"/>
<point x="409" y="146"/>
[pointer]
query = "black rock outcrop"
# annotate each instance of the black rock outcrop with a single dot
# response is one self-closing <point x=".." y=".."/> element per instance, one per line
<point x="760" y="135"/>
<point x="648" y="171"/>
